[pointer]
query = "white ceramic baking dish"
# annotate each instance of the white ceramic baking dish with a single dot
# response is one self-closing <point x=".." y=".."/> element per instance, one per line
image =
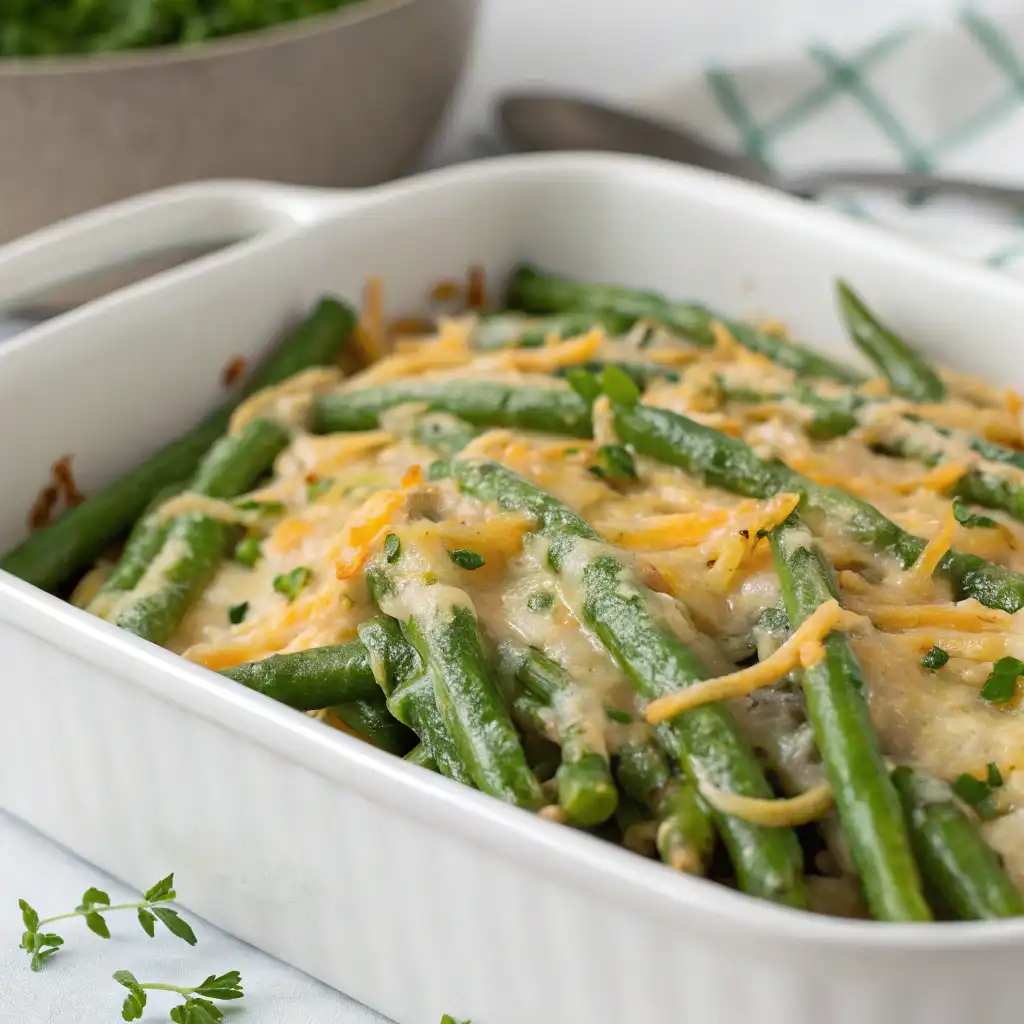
<point x="411" y="893"/>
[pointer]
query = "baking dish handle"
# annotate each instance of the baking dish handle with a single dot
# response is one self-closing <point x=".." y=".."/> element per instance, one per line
<point x="182" y="217"/>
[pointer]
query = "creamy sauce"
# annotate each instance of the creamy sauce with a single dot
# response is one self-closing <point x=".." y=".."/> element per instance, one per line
<point x="932" y="720"/>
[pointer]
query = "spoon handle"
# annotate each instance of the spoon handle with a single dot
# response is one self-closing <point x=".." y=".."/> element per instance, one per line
<point x="904" y="181"/>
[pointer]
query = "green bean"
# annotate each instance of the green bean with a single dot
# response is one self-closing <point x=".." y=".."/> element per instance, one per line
<point x="231" y="466"/>
<point x="419" y="755"/>
<point x="550" y="410"/>
<point x="907" y="437"/>
<point x="641" y="374"/>
<point x="834" y="688"/>
<point x="705" y="741"/>
<point x="726" y="462"/>
<point x="471" y="705"/>
<point x="409" y="687"/>
<point x="237" y="461"/>
<point x="445" y="434"/>
<point x="369" y="716"/>
<point x="52" y="556"/>
<point x="535" y="292"/>
<point x="907" y="372"/>
<point x="195" y="544"/>
<point x="317" y="341"/>
<point x="194" y="548"/>
<point x="143" y="545"/>
<point x="963" y="869"/>
<point x="313" y="679"/>
<point x="586" y="791"/>
<point x="685" y="836"/>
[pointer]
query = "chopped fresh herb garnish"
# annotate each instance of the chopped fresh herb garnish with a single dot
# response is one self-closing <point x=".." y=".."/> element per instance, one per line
<point x="41" y="945"/>
<point x="619" y="386"/>
<point x="392" y="548"/>
<point x="584" y="383"/>
<point x="466" y="559"/>
<point x="1001" y="685"/>
<point x="318" y="488"/>
<point x="571" y="451"/>
<point x="248" y="551"/>
<point x="291" y="583"/>
<point x="265" y="508"/>
<point x="614" y="463"/>
<point x="965" y="518"/>
<point x="934" y="659"/>
<point x="449" y="1019"/>
<point x="540" y="601"/>
<point x="977" y="793"/>
<point x="197" y="1008"/>
<point x="619" y="716"/>
<point x="439" y="469"/>
<point x="238" y="612"/>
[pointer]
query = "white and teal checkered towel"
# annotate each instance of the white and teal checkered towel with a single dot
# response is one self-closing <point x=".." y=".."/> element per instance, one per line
<point x="944" y="98"/>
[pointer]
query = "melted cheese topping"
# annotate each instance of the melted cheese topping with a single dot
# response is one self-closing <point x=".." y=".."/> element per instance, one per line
<point x="692" y="552"/>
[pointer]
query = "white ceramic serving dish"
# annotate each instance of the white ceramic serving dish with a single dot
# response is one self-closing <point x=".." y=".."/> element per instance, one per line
<point x="410" y="893"/>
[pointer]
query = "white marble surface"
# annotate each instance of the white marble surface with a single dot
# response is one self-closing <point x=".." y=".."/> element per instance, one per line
<point x="607" y="47"/>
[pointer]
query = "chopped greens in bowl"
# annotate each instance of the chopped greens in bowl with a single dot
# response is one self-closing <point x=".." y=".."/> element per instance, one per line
<point x="29" y="28"/>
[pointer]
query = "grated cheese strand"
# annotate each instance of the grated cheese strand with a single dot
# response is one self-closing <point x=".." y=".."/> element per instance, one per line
<point x="740" y="541"/>
<point x="941" y="478"/>
<point x="287" y="402"/>
<point x="662" y="533"/>
<point x="813" y="629"/>
<point x="970" y="615"/>
<point x="360" y="533"/>
<point x="935" y="550"/>
<point x="782" y="813"/>
<point x="555" y="354"/>
<point x="726" y="346"/>
<point x="971" y="646"/>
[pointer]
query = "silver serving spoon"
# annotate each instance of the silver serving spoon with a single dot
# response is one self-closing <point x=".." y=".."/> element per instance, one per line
<point x="535" y="122"/>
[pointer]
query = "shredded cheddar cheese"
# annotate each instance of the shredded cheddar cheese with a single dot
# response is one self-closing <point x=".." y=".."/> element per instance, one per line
<point x="554" y="355"/>
<point x="789" y="656"/>
<point x="781" y="813"/>
<point x="689" y="553"/>
<point x="935" y="550"/>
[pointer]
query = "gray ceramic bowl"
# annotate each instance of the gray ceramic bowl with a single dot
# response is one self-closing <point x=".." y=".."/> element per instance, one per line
<point x="341" y="99"/>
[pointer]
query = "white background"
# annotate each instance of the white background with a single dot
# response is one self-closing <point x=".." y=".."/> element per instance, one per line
<point x="615" y="48"/>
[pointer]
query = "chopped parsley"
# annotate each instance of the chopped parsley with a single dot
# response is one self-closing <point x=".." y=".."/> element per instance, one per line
<point x="238" y="612"/>
<point x="318" y="488"/>
<point x="619" y="387"/>
<point x="619" y="716"/>
<point x="1001" y="685"/>
<point x="466" y="559"/>
<point x="291" y="583"/>
<point x="392" y="548"/>
<point x="540" y="601"/>
<point x="965" y="518"/>
<point x="584" y="383"/>
<point x="977" y="793"/>
<point x="248" y="551"/>
<point x="934" y="659"/>
<point x="614" y="463"/>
